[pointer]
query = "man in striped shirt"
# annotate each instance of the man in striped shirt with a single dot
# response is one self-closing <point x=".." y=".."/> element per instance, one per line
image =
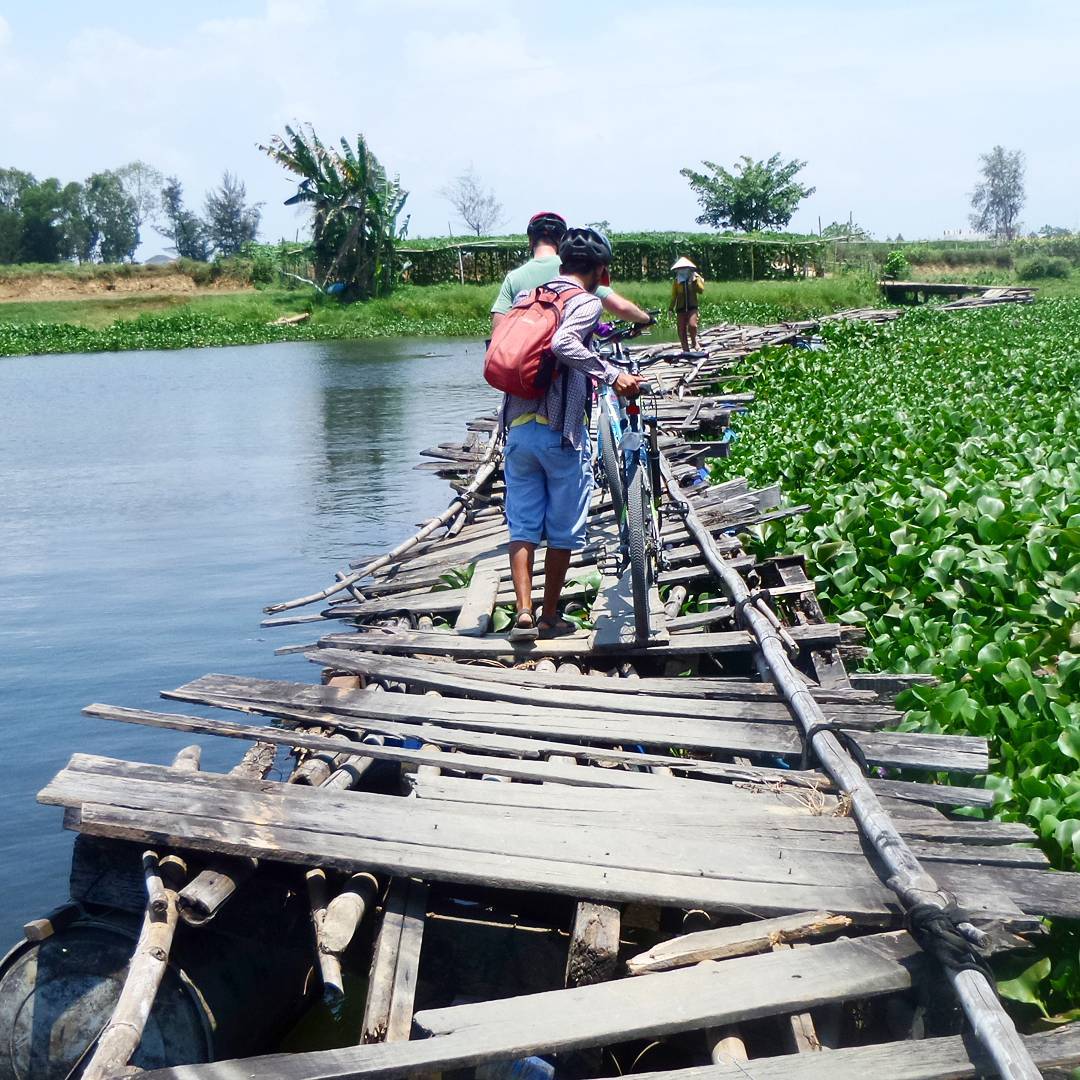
<point x="547" y="463"/>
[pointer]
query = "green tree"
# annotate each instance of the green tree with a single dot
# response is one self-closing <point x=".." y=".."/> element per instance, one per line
<point x="42" y="238"/>
<point x="847" y="229"/>
<point x="230" y="221"/>
<point x="112" y="217"/>
<point x="183" y="227"/>
<point x="76" y="231"/>
<point x="13" y="184"/>
<point x="998" y="199"/>
<point x="355" y="208"/>
<point x="1053" y="232"/>
<point x="756" y="195"/>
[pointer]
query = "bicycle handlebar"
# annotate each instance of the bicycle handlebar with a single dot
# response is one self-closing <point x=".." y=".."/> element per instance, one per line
<point x="620" y="331"/>
<point x="629" y="362"/>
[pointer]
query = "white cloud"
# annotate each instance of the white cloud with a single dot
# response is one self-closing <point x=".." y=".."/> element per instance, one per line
<point x="889" y="108"/>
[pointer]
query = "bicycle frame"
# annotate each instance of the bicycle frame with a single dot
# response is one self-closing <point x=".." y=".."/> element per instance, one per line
<point x="635" y="436"/>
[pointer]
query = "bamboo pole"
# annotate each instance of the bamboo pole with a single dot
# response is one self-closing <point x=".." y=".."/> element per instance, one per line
<point x="489" y="463"/>
<point x="201" y="899"/>
<point x="992" y="1025"/>
<point x="121" y="1035"/>
<point x="335" y="922"/>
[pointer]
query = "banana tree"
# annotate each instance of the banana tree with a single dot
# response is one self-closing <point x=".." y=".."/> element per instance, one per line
<point x="355" y="209"/>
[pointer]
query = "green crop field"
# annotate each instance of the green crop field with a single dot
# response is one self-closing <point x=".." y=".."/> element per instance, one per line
<point x="939" y="455"/>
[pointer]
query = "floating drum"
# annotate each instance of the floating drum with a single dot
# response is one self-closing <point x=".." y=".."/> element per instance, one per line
<point x="56" y="995"/>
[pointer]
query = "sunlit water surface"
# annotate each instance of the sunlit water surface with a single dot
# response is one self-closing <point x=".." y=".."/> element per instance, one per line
<point x="150" y="505"/>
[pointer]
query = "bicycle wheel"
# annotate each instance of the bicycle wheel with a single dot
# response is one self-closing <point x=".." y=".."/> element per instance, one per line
<point x="609" y="458"/>
<point x="638" y="518"/>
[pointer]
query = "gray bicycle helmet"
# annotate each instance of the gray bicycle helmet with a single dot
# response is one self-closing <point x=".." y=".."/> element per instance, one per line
<point x="586" y="245"/>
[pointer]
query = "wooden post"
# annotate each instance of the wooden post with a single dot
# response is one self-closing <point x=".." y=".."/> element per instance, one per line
<point x="594" y="944"/>
<point x="189" y="759"/>
<point x="594" y="936"/>
<point x="394" y="963"/>
<point x="801" y="1032"/>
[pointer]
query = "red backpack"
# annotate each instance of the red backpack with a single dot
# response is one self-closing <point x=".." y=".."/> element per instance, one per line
<point x="519" y="360"/>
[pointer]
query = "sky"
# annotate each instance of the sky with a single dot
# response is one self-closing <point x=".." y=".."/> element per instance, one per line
<point x="586" y="108"/>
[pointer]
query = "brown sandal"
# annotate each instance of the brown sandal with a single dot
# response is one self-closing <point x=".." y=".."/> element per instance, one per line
<point x="561" y="627"/>
<point x="524" y="628"/>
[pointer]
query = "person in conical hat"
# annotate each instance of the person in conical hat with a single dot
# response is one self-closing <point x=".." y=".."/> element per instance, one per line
<point x="685" y="290"/>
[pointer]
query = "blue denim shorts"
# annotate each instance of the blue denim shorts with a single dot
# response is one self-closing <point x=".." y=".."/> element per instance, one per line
<point x="548" y="486"/>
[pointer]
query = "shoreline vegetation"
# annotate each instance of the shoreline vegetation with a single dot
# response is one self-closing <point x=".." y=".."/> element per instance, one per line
<point x="108" y="322"/>
<point x="184" y="305"/>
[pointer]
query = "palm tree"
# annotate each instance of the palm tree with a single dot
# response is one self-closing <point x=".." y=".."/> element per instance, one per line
<point x="355" y="208"/>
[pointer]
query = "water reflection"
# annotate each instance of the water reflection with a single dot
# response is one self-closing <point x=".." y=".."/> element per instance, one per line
<point x="151" y="503"/>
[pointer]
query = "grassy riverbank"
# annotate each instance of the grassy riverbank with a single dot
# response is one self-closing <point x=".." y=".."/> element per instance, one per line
<point x="152" y="321"/>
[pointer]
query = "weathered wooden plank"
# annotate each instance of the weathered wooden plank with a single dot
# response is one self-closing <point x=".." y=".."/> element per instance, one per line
<point x="474" y="619"/>
<point x="965" y="754"/>
<point x="384" y="959"/>
<point x="783" y="802"/>
<point x="467" y="763"/>
<point x="565" y="858"/>
<point x="613" y="615"/>
<point x="594" y="694"/>
<point x="571" y="879"/>
<point x="952" y="1058"/>
<point x="693" y="688"/>
<point x="744" y="939"/>
<point x="403" y="992"/>
<point x="495" y="646"/>
<point x="760" y="813"/>
<point x="647" y="1007"/>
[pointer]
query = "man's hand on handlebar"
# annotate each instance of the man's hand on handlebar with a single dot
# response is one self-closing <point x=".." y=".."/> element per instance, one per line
<point x="641" y="325"/>
<point x="627" y="385"/>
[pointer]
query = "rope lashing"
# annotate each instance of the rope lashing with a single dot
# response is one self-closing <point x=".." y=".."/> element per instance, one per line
<point x="843" y="737"/>
<point x="936" y="929"/>
<point x="757" y="598"/>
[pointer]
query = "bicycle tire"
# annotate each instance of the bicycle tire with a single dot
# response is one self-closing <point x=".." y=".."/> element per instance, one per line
<point x="637" y="519"/>
<point x="609" y="459"/>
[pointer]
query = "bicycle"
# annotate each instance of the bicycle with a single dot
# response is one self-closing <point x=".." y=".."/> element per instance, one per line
<point x="627" y="463"/>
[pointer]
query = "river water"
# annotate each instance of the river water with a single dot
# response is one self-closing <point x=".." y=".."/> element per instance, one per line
<point x="151" y="503"/>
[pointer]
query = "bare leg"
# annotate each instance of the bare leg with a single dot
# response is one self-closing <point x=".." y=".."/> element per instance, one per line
<point x="521" y="570"/>
<point x="683" y="318"/>
<point x="556" y="563"/>
<point x="693" y="325"/>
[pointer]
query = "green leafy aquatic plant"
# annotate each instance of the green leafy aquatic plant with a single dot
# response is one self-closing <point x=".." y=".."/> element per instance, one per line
<point x="939" y="456"/>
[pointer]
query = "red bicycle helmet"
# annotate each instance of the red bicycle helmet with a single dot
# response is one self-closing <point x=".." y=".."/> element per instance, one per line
<point x="546" y="225"/>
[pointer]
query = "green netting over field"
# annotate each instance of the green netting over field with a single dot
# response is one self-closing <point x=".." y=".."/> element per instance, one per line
<point x="638" y="257"/>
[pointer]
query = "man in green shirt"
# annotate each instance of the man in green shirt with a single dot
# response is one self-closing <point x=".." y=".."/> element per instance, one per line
<point x="545" y="230"/>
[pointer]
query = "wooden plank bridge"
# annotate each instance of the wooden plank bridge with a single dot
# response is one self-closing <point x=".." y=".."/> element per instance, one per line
<point x="709" y="855"/>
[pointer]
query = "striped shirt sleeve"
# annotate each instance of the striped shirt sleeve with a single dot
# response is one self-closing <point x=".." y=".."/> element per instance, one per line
<point x="580" y="317"/>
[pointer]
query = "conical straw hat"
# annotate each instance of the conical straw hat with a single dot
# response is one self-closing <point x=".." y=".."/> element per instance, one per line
<point x="679" y="264"/>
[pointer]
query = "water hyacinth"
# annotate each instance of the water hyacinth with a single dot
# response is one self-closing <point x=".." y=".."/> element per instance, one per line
<point x="939" y="456"/>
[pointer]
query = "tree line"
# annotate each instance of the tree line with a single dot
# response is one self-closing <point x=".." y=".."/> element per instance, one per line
<point x="104" y="217"/>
